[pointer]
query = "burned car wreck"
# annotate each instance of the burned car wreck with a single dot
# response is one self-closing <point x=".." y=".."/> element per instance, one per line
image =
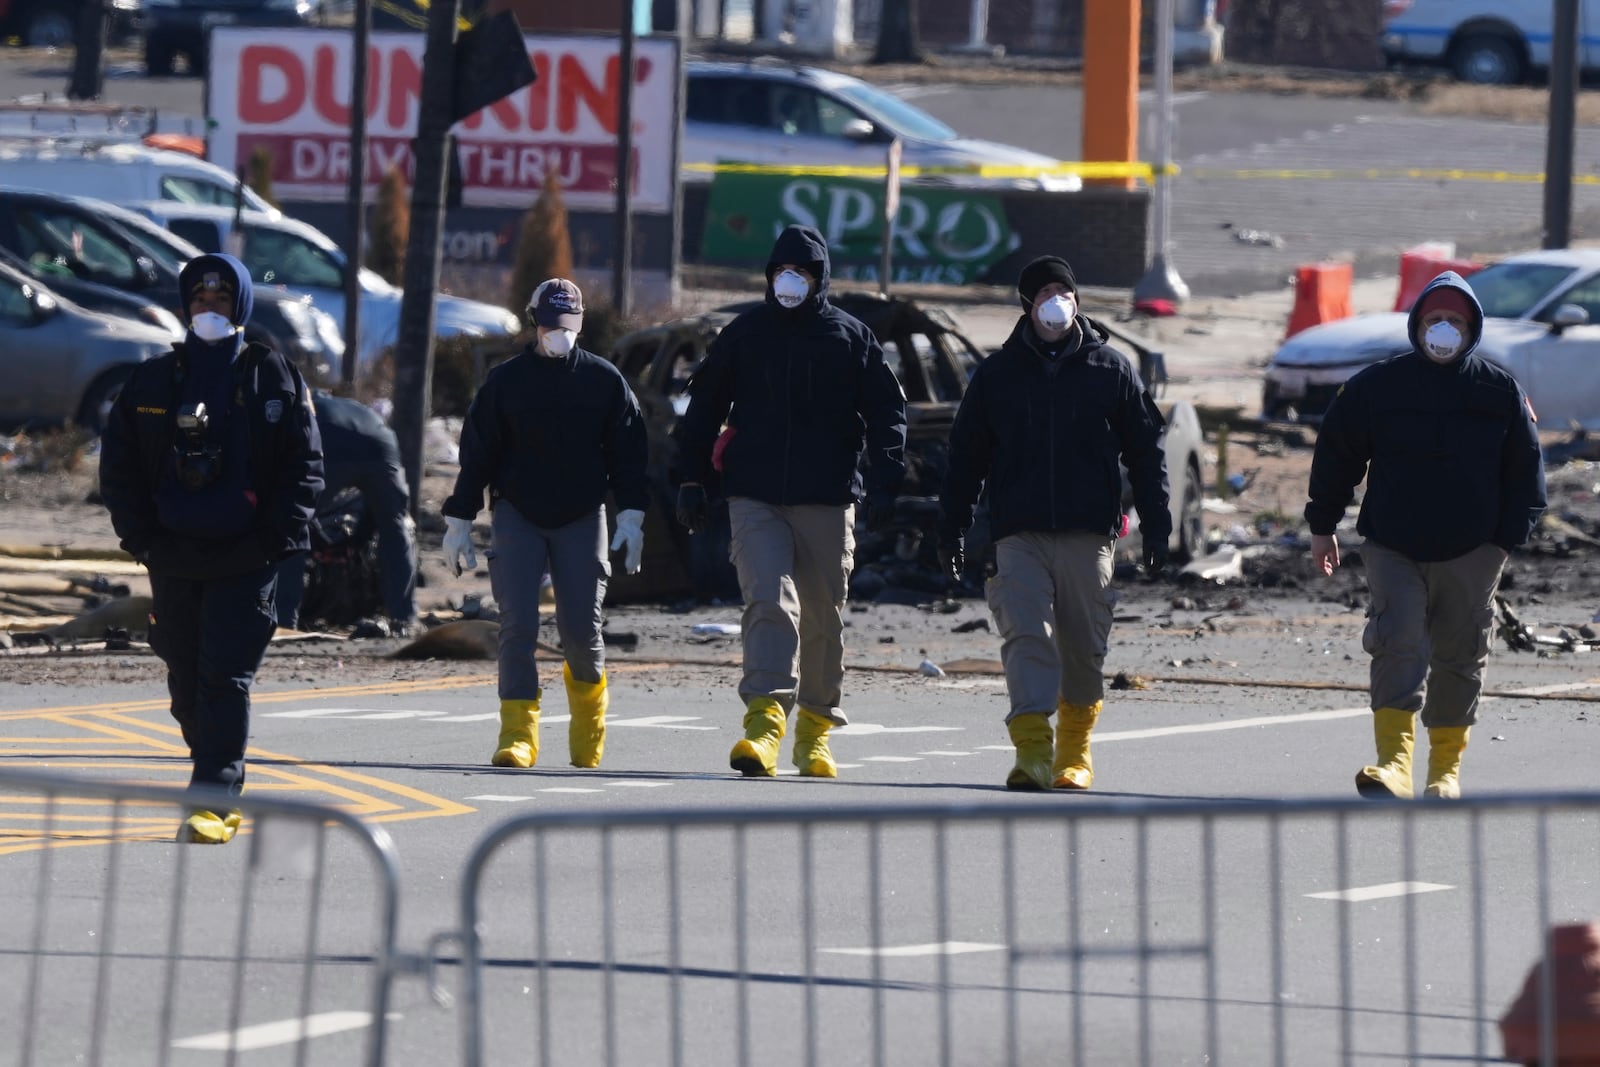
<point x="933" y="360"/>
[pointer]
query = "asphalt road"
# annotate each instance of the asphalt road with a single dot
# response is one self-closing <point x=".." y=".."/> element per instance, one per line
<point x="840" y="925"/>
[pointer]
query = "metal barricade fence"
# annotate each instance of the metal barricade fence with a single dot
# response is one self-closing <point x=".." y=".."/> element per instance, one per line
<point x="1050" y="931"/>
<point x="115" y="953"/>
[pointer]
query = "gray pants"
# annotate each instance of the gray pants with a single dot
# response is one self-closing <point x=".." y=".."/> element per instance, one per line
<point x="1428" y="631"/>
<point x="794" y="568"/>
<point x="579" y="570"/>
<point x="1052" y="601"/>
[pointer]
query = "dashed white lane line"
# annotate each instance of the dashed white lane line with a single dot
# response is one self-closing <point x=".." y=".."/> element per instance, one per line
<point x="282" y="1032"/>
<point x="935" y="948"/>
<point x="498" y="798"/>
<point x="939" y="752"/>
<point x="860" y="729"/>
<point x="568" y="789"/>
<point x="639" y="785"/>
<point x="891" y="759"/>
<point x="1379" y="892"/>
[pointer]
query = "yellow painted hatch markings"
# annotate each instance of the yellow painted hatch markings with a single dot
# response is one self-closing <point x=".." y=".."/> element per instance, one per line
<point x="113" y="730"/>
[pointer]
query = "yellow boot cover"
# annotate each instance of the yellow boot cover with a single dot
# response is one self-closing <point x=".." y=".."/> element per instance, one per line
<point x="209" y="828"/>
<point x="1031" y="735"/>
<point x="586" y="733"/>
<point x="519" y="734"/>
<point x="1073" y="769"/>
<point x="756" y="755"/>
<point x="1445" y="745"/>
<point x="1391" y="776"/>
<point x="811" y="753"/>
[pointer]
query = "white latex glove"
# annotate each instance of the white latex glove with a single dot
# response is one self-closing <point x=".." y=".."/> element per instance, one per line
<point x="630" y="532"/>
<point x="458" y="551"/>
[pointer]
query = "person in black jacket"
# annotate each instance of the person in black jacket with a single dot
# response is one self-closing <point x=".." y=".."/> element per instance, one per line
<point x="360" y="452"/>
<point x="210" y="466"/>
<point x="802" y="387"/>
<point x="1043" y="425"/>
<point x="1447" y="444"/>
<point x="551" y="430"/>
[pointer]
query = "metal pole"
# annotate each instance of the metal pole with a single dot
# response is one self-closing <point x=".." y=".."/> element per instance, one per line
<point x="978" y="27"/>
<point x="891" y="208"/>
<point x="1563" y="119"/>
<point x="622" y="273"/>
<point x="413" y="357"/>
<point x="681" y="81"/>
<point x="357" y="193"/>
<point x="1161" y="281"/>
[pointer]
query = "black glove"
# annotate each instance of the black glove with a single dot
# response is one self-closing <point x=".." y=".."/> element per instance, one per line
<point x="880" y="513"/>
<point x="692" y="507"/>
<point x="953" y="558"/>
<point x="1156" y="555"/>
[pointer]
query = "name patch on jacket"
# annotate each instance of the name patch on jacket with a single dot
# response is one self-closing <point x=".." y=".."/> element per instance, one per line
<point x="274" y="410"/>
<point x="145" y="409"/>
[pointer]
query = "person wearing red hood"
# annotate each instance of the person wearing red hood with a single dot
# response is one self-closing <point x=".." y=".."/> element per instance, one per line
<point x="1447" y="444"/>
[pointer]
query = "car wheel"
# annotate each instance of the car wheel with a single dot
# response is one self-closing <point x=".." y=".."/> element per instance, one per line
<point x="49" y="28"/>
<point x="1488" y="59"/>
<point x="157" y="59"/>
<point x="1191" y="515"/>
<point x="95" y="409"/>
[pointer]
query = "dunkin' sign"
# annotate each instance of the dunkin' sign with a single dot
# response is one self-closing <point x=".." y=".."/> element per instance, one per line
<point x="288" y="91"/>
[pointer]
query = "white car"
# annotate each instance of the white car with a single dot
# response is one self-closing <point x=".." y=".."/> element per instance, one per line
<point x="288" y="254"/>
<point x="1489" y="42"/>
<point x="1537" y="310"/>
<point x="763" y="113"/>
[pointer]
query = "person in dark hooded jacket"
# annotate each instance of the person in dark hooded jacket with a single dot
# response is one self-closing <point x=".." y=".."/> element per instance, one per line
<point x="1043" y="425"/>
<point x="1447" y="444"/>
<point x="210" y="466"/>
<point x="788" y="398"/>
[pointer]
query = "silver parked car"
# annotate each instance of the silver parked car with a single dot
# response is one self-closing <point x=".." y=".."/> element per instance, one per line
<point x="61" y="363"/>
<point x="1537" y="308"/>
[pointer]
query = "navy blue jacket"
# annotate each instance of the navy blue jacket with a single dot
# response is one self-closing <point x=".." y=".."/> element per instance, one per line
<point x="138" y="455"/>
<point x="805" y="391"/>
<point x="1046" y="436"/>
<point x="1449" y="452"/>
<point x="551" y="436"/>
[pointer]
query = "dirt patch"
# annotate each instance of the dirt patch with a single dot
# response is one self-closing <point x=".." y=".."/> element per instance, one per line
<point x="1502" y="103"/>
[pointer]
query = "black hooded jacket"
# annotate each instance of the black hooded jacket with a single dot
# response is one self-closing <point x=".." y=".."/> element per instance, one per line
<point x="804" y="391"/>
<point x="271" y="454"/>
<point x="1046" y="436"/>
<point x="1449" y="451"/>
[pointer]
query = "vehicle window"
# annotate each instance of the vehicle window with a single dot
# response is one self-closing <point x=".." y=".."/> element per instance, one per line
<point x="889" y="111"/>
<point x="707" y="97"/>
<point x="275" y="257"/>
<point x="1586" y="294"/>
<point x="52" y="238"/>
<point x="195" y="191"/>
<point x="635" y="360"/>
<point x="910" y="375"/>
<point x="15" y="308"/>
<point x="198" y="232"/>
<point x="1512" y="290"/>
<point x="686" y="360"/>
<point x="950" y="365"/>
<point x="748" y="103"/>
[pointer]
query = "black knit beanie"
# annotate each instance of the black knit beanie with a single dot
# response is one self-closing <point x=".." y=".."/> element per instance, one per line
<point x="1040" y="273"/>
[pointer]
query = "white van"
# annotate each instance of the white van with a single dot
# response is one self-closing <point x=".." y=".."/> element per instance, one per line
<point x="121" y="173"/>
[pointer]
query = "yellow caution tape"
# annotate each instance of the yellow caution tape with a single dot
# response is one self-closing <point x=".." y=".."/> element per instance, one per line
<point x="1137" y="171"/>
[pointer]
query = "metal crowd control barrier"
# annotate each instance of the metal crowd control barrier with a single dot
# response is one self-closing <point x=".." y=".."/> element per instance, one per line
<point x="116" y="952"/>
<point x="1051" y="931"/>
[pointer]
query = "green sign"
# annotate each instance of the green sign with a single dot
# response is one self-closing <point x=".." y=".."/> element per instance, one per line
<point x="941" y="235"/>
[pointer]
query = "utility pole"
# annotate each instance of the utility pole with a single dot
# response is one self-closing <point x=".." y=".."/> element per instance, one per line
<point x="622" y="254"/>
<point x="1563" y="119"/>
<point x="1161" y="281"/>
<point x="413" y="357"/>
<point x="357" y="193"/>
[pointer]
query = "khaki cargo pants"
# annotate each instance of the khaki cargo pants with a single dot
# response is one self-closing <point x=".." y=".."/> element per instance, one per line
<point x="794" y="569"/>
<point x="1428" y="631"/>
<point x="1052" y="601"/>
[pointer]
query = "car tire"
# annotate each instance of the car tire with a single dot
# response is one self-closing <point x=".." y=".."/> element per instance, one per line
<point x="1191" y="515"/>
<point x="50" y="27"/>
<point x="1488" y="59"/>
<point x="157" y="59"/>
<point x="95" y="408"/>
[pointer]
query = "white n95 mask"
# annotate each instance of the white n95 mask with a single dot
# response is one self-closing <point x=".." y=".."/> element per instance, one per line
<point x="1058" y="312"/>
<point x="1442" y="342"/>
<point x="557" y="343"/>
<point x="209" y="326"/>
<point x="790" y="287"/>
